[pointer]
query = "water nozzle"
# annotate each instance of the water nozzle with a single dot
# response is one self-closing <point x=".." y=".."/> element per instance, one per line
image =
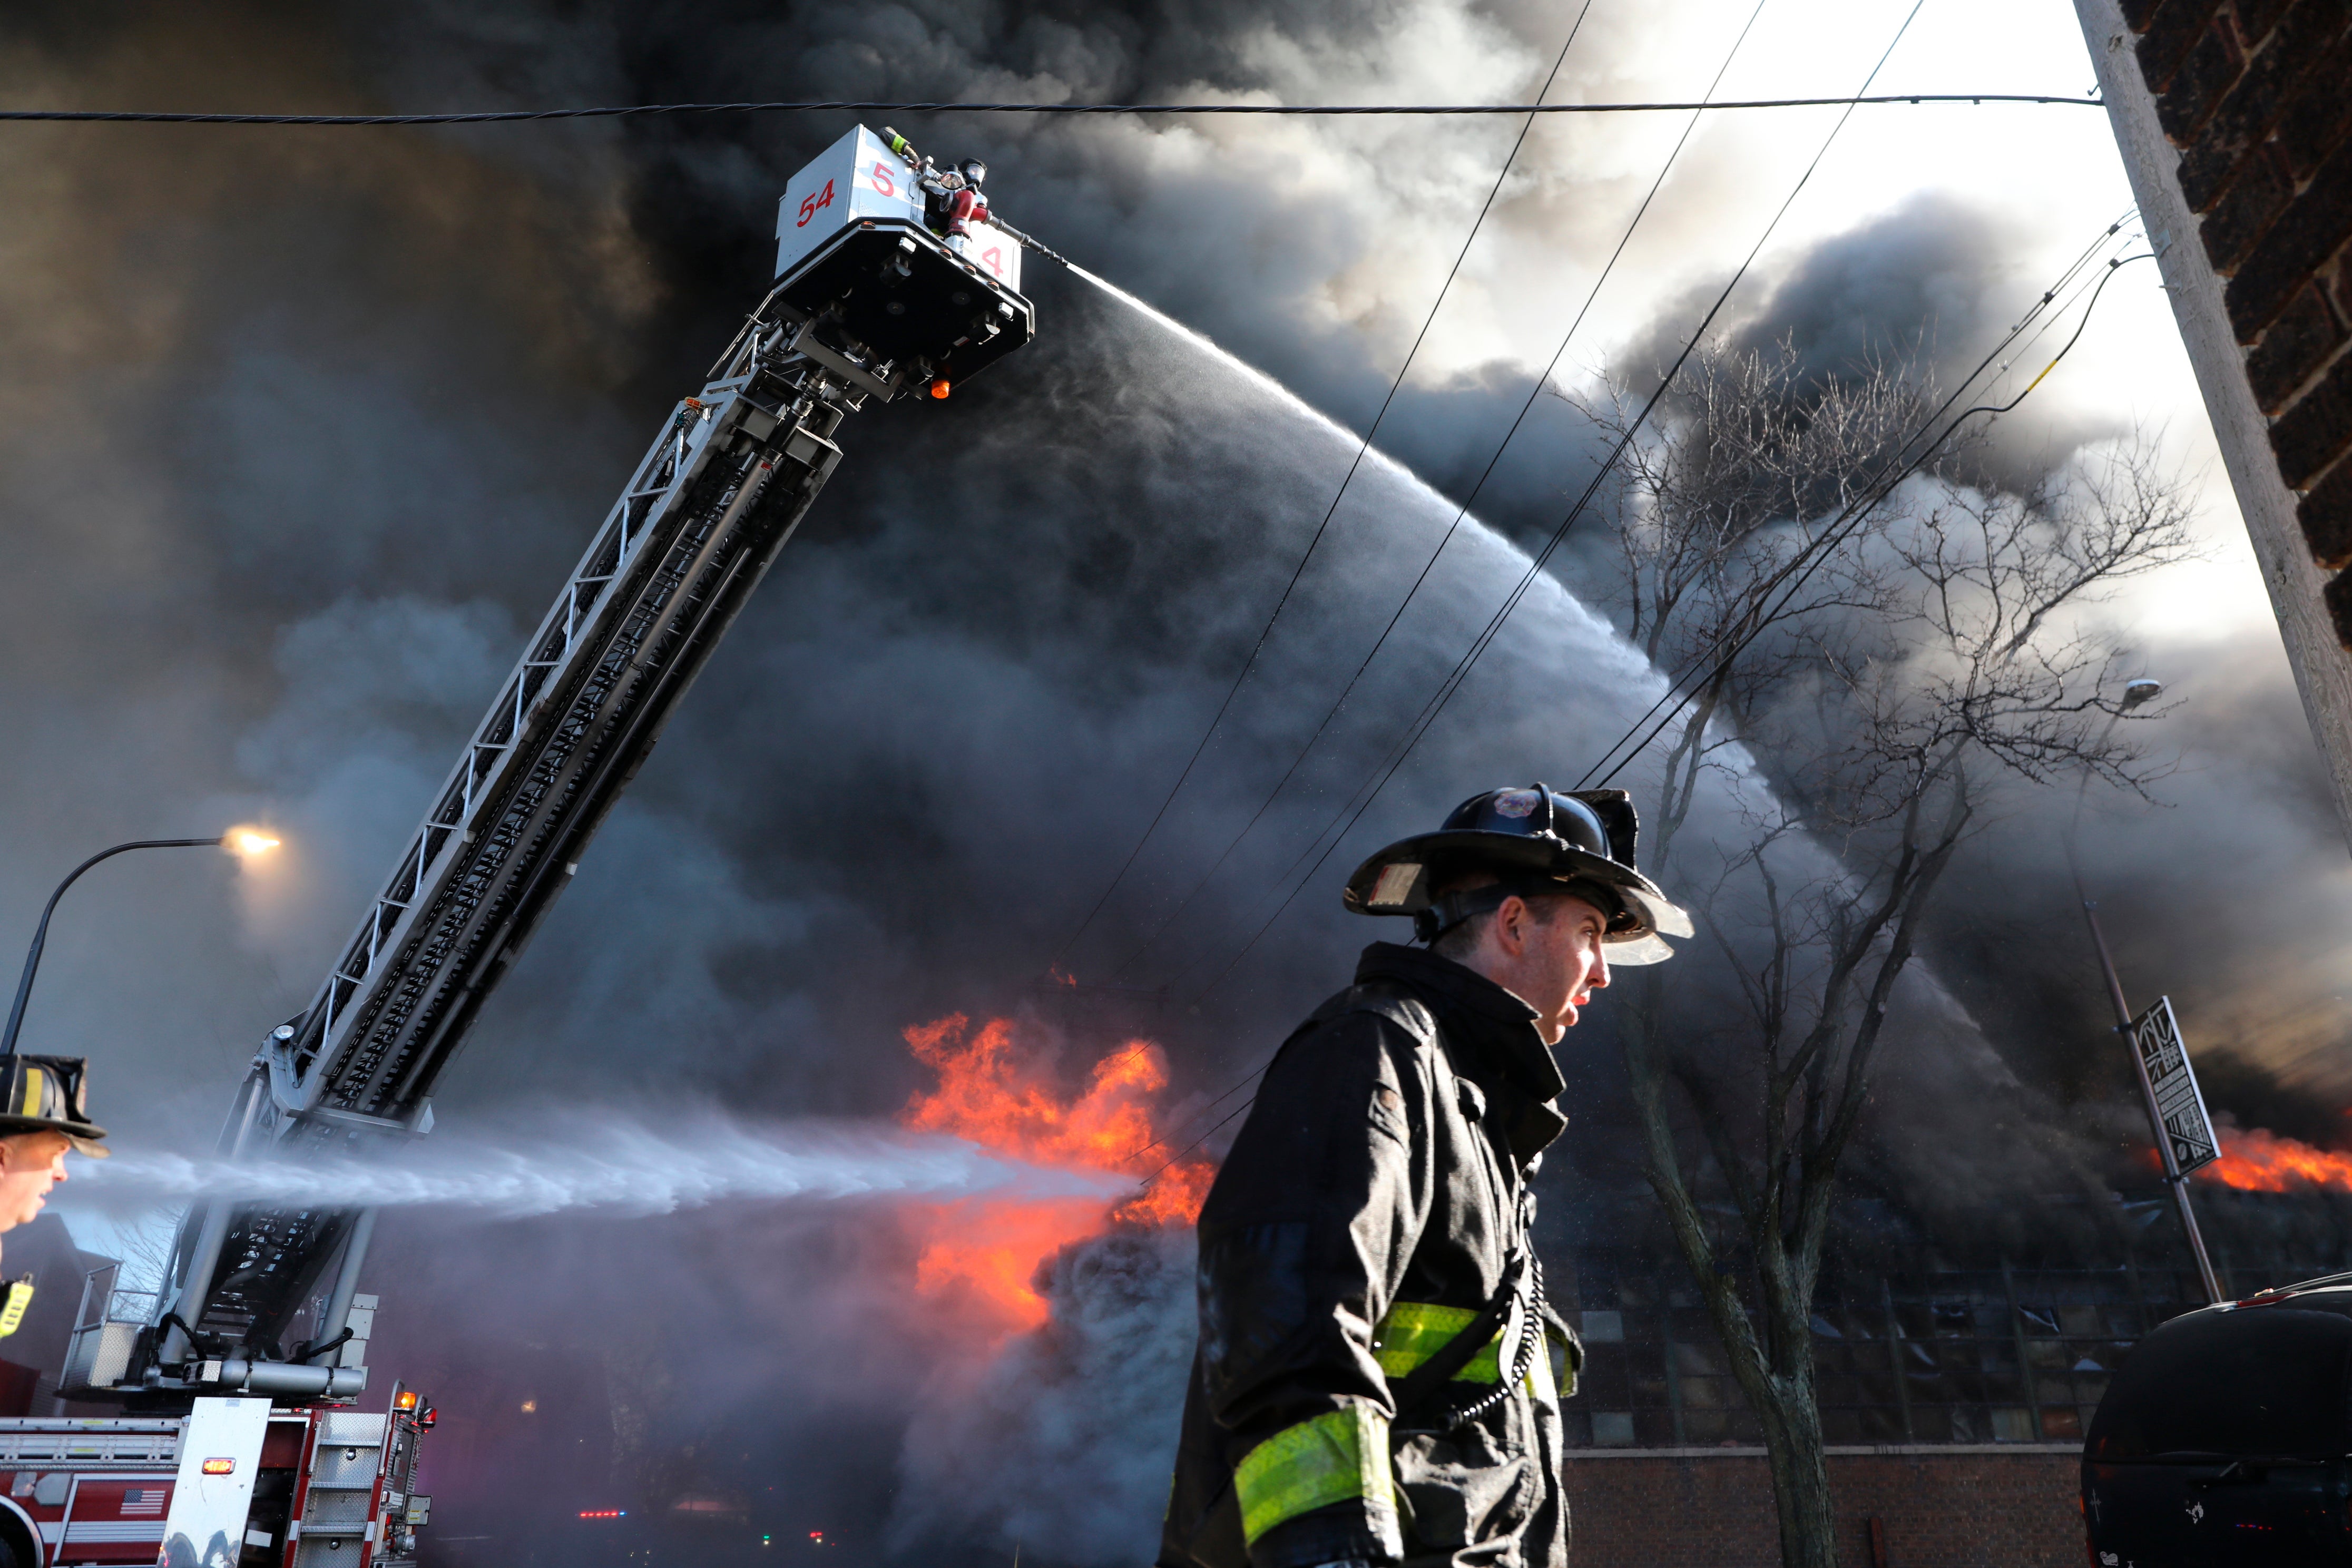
<point x="1026" y="242"/>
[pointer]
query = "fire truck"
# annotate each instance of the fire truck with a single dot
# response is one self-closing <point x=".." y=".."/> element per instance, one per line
<point x="240" y="1442"/>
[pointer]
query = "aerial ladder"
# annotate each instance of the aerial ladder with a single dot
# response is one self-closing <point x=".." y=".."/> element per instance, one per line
<point x="239" y="1374"/>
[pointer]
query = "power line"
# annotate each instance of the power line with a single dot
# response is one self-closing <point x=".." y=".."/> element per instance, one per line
<point x="1298" y="571"/>
<point x="1462" y="512"/>
<point x="1831" y="533"/>
<point x="1205" y="1136"/>
<point x="2093" y="290"/>
<point x="511" y="116"/>
<point x="1860" y="511"/>
<point x="1192" y="1117"/>
<point x="1422" y="723"/>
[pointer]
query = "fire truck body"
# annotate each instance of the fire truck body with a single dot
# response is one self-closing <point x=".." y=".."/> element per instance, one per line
<point x="239" y="1447"/>
<point x="235" y="1483"/>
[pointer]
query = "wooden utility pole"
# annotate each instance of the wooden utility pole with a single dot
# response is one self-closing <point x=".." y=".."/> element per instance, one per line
<point x="2266" y="341"/>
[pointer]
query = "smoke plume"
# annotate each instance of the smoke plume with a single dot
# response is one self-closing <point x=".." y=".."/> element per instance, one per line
<point x="299" y="428"/>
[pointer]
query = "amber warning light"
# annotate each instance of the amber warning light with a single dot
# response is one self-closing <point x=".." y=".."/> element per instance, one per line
<point x="220" y="1467"/>
<point x="404" y="1400"/>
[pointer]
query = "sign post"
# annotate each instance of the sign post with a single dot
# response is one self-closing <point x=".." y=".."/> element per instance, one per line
<point x="2168" y="1087"/>
<point x="2180" y="1115"/>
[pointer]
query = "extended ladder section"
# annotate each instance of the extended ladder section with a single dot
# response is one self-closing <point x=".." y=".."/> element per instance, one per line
<point x="258" y="1298"/>
<point x="717" y="495"/>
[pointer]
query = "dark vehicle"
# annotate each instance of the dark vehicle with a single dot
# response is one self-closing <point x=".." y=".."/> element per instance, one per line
<point x="2223" y="1439"/>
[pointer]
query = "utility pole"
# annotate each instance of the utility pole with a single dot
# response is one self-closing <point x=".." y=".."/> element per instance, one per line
<point x="2173" y="1175"/>
<point x="2274" y="513"/>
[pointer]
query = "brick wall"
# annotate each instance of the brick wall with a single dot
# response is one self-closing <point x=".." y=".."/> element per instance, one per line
<point x="2255" y="95"/>
<point x="1952" y="1508"/>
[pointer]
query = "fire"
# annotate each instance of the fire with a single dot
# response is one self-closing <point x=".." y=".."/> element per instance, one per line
<point x="2256" y="1161"/>
<point x="1000" y="1092"/>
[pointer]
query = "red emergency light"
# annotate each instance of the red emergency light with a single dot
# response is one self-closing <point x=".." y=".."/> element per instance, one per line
<point x="604" y="1514"/>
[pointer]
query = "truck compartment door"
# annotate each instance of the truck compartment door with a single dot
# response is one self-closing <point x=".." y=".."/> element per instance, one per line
<point x="220" y="1452"/>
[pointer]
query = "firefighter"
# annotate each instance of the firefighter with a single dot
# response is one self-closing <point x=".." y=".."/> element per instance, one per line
<point x="966" y="204"/>
<point x="42" y="1119"/>
<point x="1372" y="1385"/>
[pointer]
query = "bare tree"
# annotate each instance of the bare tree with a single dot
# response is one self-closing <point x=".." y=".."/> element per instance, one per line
<point x="1893" y="662"/>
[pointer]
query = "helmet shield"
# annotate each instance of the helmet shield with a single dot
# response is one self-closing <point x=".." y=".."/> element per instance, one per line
<point x="1534" y="840"/>
<point x="45" y="1094"/>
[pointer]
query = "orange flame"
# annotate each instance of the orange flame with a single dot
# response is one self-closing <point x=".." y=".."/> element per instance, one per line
<point x="2258" y="1161"/>
<point x="1000" y="1092"/>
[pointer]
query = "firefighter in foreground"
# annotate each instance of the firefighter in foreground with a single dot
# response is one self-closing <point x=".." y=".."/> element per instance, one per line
<point x="1372" y="1385"/>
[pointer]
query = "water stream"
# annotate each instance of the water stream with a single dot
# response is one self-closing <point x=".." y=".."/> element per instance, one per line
<point x="621" y="1164"/>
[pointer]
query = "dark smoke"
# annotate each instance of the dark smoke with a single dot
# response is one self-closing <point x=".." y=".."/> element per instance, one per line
<point x="300" y="428"/>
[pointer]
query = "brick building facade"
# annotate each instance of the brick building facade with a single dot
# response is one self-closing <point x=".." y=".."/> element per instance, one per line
<point x="1954" y="1399"/>
<point x="2235" y="124"/>
<point x="2257" y="94"/>
<point x="1951" y="1506"/>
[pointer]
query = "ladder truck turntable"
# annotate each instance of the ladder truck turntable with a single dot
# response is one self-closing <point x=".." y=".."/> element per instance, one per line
<point x="239" y="1443"/>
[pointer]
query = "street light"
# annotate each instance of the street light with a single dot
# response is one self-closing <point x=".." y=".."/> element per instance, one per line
<point x="2136" y="693"/>
<point x="243" y="841"/>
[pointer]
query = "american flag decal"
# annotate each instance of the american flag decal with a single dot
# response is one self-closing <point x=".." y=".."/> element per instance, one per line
<point x="143" y="1503"/>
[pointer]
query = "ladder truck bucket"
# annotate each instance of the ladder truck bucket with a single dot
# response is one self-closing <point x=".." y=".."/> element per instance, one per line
<point x="874" y="294"/>
<point x="238" y="1368"/>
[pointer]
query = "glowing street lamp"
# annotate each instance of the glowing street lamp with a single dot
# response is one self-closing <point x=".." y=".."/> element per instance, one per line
<point x="243" y="842"/>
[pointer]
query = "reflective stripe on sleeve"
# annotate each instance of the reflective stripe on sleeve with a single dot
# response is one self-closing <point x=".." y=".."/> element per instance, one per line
<point x="1337" y="1456"/>
<point x="1413" y="1332"/>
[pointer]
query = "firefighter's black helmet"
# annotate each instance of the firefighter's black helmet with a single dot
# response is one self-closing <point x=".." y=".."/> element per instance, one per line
<point x="47" y="1094"/>
<point x="1536" y="839"/>
<point x="974" y="172"/>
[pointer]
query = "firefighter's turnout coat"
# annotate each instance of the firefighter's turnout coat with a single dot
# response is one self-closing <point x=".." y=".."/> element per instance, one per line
<point x="1373" y="1205"/>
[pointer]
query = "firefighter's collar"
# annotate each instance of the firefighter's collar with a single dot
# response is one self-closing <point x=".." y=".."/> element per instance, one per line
<point x="1503" y="1025"/>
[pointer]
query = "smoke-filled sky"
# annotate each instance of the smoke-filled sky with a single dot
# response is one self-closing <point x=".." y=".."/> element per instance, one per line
<point x="299" y="429"/>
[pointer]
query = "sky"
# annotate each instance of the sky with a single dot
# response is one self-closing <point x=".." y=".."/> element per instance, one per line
<point x="300" y="429"/>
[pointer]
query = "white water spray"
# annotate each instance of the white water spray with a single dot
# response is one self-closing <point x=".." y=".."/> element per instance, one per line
<point x="1273" y="389"/>
<point x="621" y="1166"/>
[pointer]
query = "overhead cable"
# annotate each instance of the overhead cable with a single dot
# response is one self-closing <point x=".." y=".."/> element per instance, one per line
<point x="1856" y="513"/>
<point x="1871" y="493"/>
<point x="1452" y="684"/>
<point x="1461" y="514"/>
<point x="2094" y="289"/>
<point x="844" y="106"/>
<point x="1299" y="571"/>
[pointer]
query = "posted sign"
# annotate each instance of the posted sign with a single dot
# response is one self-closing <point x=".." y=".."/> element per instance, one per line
<point x="2156" y="1037"/>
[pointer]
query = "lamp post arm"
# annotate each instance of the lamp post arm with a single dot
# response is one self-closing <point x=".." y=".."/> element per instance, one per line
<point x="41" y="931"/>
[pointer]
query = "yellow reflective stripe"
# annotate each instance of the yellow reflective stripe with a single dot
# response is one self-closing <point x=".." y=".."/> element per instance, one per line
<point x="30" y="1103"/>
<point x="1340" y="1454"/>
<point x="1414" y="1330"/>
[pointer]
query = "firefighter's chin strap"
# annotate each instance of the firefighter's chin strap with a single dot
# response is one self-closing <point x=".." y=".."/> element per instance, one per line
<point x="1450" y="909"/>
